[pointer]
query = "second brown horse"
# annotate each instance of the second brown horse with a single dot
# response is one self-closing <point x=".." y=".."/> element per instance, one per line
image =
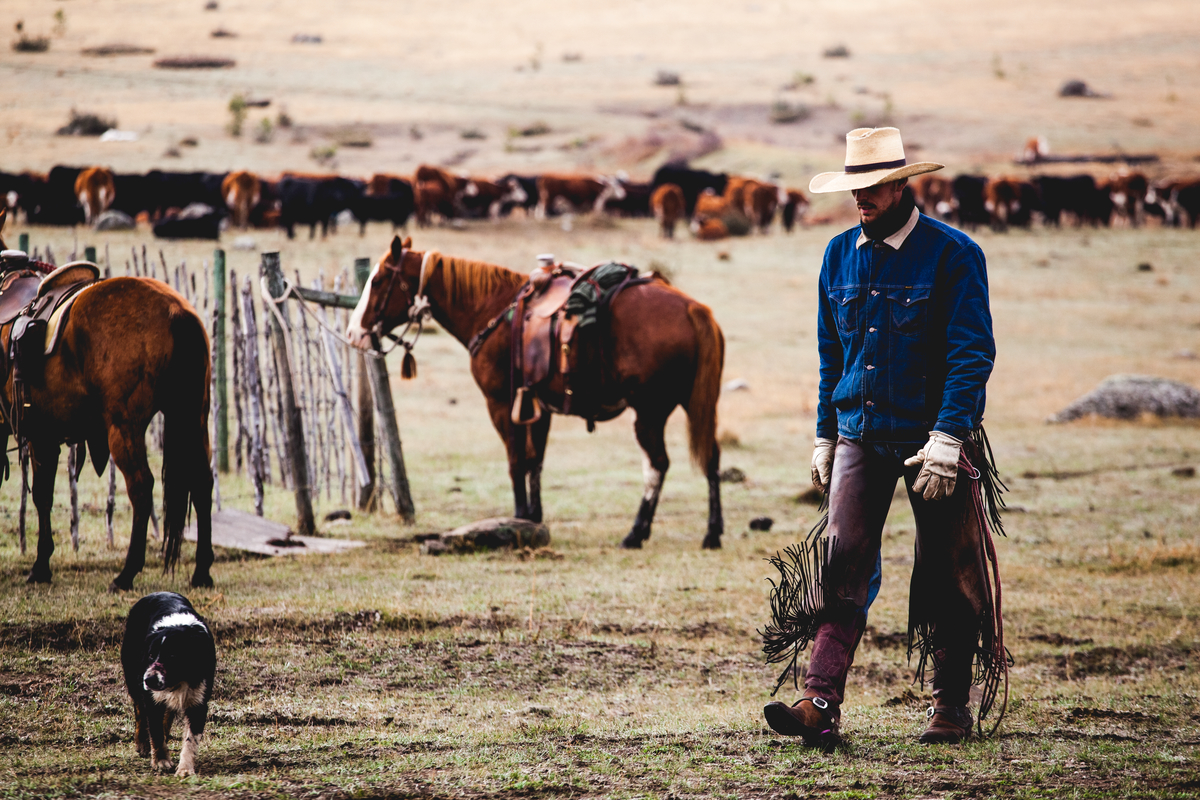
<point x="662" y="349"/>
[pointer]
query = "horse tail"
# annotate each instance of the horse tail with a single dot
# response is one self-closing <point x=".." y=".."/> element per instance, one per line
<point x="186" y="449"/>
<point x="706" y="386"/>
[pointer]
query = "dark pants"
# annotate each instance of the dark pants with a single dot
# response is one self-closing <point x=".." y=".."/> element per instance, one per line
<point x="945" y="595"/>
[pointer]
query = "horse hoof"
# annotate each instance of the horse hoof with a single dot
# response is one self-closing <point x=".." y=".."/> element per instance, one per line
<point x="202" y="582"/>
<point x="632" y="542"/>
<point x="711" y="543"/>
<point x="118" y="585"/>
<point x="38" y="576"/>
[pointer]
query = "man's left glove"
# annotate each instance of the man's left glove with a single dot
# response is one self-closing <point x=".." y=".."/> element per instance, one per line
<point x="938" y="460"/>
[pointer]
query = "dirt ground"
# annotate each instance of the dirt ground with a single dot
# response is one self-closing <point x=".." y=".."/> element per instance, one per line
<point x="384" y="673"/>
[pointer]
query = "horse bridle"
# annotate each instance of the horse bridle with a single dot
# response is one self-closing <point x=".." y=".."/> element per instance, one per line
<point x="418" y="312"/>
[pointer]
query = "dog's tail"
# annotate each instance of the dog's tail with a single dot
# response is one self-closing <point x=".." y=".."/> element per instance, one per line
<point x="706" y="387"/>
<point x="187" y="452"/>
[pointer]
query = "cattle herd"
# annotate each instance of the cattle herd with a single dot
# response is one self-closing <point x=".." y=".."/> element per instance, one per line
<point x="714" y="205"/>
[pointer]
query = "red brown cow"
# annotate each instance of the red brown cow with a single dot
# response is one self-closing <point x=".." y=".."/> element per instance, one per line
<point x="759" y="202"/>
<point x="934" y="195"/>
<point x="1008" y="201"/>
<point x="95" y="190"/>
<point x="795" y="204"/>
<point x="709" y="229"/>
<point x="380" y="184"/>
<point x="481" y="197"/>
<point x="574" y="193"/>
<point x="241" y="191"/>
<point x="710" y="205"/>
<point x="1128" y="192"/>
<point x="436" y="191"/>
<point x="668" y="205"/>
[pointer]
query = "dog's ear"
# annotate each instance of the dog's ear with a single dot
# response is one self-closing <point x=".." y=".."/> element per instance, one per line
<point x="397" y="250"/>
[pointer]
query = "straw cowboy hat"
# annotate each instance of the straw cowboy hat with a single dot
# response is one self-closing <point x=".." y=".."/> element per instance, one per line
<point x="873" y="156"/>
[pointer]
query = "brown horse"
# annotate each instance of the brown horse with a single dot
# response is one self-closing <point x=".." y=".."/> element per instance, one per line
<point x="663" y="349"/>
<point x="130" y="347"/>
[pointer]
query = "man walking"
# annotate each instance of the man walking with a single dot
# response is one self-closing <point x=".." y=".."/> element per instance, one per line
<point x="906" y="348"/>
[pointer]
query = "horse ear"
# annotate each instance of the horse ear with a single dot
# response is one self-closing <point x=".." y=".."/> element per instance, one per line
<point x="408" y="242"/>
<point x="3" y="219"/>
<point x="397" y="250"/>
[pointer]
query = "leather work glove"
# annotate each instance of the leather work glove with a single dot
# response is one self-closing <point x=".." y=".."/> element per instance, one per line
<point x="822" y="463"/>
<point x="938" y="460"/>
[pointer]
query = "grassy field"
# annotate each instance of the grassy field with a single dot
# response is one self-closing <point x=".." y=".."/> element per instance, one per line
<point x="594" y="671"/>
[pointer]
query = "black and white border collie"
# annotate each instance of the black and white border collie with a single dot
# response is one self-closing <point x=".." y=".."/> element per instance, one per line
<point x="169" y="659"/>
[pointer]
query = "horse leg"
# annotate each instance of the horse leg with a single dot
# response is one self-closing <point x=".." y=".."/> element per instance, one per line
<point x="45" y="467"/>
<point x="716" y="522"/>
<point x="539" y="432"/>
<point x="649" y="430"/>
<point x="128" y="451"/>
<point x="202" y="490"/>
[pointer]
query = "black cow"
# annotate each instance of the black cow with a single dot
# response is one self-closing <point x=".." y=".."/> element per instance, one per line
<point x="635" y="203"/>
<point x="692" y="181"/>
<point x="134" y="193"/>
<point x="1187" y="199"/>
<point x="52" y="201"/>
<point x="394" y="206"/>
<point x="968" y="197"/>
<point x="315" y="201"/>
<point x="176" y="190"/>
<point x="197" y="221"/>
<point x="1078" y="195"/>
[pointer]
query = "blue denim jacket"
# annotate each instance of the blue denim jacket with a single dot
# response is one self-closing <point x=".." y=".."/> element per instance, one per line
<point x="905" y="336"/>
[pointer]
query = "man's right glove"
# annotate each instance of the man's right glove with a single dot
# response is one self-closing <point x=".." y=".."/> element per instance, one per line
<point x="938" y="461"/>
<point x="822" y="463"/>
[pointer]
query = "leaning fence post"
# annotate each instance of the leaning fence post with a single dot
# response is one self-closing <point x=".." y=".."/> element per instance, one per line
<point x="222" y="398"/>
<point x="367" y="499"/>
<point x="381" y="389"/>
<point x="270" y="270"/>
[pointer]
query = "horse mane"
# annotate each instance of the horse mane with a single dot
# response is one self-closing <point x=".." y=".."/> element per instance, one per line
<point x="466" y="281"/>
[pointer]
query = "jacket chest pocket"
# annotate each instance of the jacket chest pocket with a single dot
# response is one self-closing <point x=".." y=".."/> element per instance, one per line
<point x="847" y="304"/>
<point x="909" y="309"/>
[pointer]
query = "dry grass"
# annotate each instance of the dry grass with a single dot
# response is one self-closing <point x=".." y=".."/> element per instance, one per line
<point x="595" y="671"/>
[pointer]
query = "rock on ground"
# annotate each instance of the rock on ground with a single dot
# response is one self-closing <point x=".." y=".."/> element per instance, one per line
<point x="490" y="534"/>
<point x="1131" y="396"/>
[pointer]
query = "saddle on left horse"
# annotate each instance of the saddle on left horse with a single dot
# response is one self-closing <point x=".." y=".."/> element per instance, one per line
<point x="547" y="356"/>
<point x="33" y="310"/>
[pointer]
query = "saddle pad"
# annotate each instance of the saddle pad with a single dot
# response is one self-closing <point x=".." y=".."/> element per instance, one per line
<point x="55" y="324"/>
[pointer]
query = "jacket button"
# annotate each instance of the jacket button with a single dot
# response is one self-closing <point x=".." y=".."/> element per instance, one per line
<point x="870" y="366"/>
<point x="870" y="330"/>
<point x="870" y="403"/>
<point x="874" y="292"/>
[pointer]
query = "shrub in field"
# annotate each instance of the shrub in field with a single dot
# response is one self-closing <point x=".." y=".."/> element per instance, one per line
<point x="237" y="115"/>
<point x="86" y="124"/>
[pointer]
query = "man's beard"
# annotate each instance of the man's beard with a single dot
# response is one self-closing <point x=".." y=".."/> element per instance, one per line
<point x="891" y="220"/>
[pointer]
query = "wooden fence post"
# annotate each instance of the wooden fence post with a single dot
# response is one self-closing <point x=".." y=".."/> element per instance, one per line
<point x="89" y="253"/>
<point x="221" y="412"/>
<point x="294" y="426"/>
<point x="367" y="498"/>
<point x="23" y="242"/>
<point x="381" y="389"/>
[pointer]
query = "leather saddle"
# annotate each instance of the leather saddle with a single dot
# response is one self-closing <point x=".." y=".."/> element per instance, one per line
<point x="545" y="352"/>
<point x="17" y="290"/>
<point x="31" y="329"/>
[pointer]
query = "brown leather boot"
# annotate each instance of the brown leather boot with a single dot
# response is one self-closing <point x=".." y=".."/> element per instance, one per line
<point x="947" y="725"/>
<point x="814" y="718"/>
